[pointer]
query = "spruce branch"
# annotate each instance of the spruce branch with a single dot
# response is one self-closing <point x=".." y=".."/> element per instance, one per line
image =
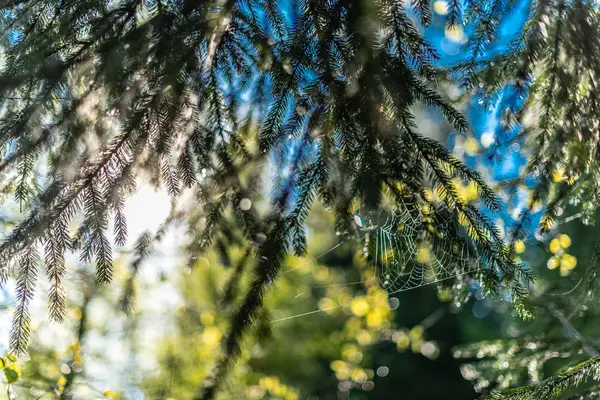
<point x="553" y="387"/>
<point x="269" y="258"/>
<point x="27" y="275"/>
<point x="143" y="248"/>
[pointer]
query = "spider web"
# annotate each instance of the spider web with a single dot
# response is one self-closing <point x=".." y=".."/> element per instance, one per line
<point x="411" y="249"/>
<point x="414" y="248"/>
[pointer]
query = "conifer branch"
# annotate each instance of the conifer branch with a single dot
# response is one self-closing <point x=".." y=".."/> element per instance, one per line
<point x="555" y="386"/>
<point x="26" y="279"/>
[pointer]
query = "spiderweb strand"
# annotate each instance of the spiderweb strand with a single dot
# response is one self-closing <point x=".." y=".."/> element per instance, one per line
<point x="305" y="314"/>
<point x="317" y="257"/>
<point x="408" y="256"/>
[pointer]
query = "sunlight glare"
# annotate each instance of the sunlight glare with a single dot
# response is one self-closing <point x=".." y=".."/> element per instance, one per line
<point x="146" y="209"/>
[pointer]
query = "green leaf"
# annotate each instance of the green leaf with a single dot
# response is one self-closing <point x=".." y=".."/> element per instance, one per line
<point x="11" y="375"/>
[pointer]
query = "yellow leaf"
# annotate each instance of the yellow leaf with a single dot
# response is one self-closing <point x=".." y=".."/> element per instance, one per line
<point x="554" y="245"/>
<point x="359" y="306"/>
<point x="559" y="175"/>
<point x="553" y="263"/>
<point x="565" y="241"/>
<point x="342" y="374"/>
<point x="77" y="314"/>
<point x="428" y="194"/>
<point x="416" y="333"/>
<point x="207" y="318"/>
<point x="337" y="365"/>
<point x="321" y="273"/>
<point x="364" y="337"/>
<point x="358" y="375"/>
<point x="520" y="247"/>
<point x="402" y="340"/>
<point x="374" y="319"/>
<point x="568" y="262"/>
<point x="326" y="304"/>
<point x="423" y="255"/>
<point x="445" y="294"/>
<point x="416" y="346"/>
<point x="268" y="382"/>
<point x="211" y="336"/>
<point x="110" y="395"/>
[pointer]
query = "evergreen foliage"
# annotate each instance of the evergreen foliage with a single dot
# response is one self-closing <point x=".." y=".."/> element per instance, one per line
<point x="560" y="336"/>
<point x="546" y="79"/>
<point x="200" y="96"/>
<point x="554" y="387"/>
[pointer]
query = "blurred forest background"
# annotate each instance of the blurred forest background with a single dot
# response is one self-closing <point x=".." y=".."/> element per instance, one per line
<point x="321" y="336"/>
